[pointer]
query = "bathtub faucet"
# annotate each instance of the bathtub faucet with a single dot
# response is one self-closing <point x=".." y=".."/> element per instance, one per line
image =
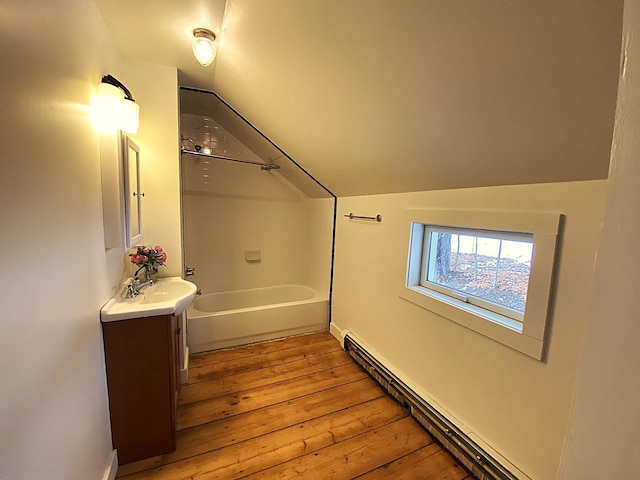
<point x="133" y="288"/>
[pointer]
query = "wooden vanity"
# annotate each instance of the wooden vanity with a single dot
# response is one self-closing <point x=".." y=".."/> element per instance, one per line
<point x="141" y="357"/>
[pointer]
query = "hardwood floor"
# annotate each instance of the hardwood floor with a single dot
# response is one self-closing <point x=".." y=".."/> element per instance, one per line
<point x="297" y="407"/>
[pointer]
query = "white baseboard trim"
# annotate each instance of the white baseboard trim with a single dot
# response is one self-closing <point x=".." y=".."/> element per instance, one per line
<point x="112" y="466"/>
<point x="338" y="333"/>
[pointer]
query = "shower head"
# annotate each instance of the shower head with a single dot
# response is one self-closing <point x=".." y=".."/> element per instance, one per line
<point x="195" y="145"/>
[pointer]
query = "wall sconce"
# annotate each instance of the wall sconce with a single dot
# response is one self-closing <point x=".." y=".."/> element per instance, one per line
<point x="114" y="108"/>
<point x="203" y="47"/>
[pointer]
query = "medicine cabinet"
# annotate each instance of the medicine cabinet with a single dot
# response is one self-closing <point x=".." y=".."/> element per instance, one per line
<point x="132" y="193"/>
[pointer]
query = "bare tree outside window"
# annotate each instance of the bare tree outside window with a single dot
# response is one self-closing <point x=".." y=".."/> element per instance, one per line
<point x="490" y="268"/>
<point x="443" y="255"/>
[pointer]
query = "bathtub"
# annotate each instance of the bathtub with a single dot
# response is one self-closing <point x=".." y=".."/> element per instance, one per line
<point x="227" y="319"/>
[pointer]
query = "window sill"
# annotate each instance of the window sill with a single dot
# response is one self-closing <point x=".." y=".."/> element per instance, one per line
<point x="483" y="313"/>
<point x="496" y="327"/>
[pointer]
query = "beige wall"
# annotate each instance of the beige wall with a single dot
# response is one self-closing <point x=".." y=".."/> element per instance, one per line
<point x="155" y="88"/>
<point x="55" y="273"/>
<point x="243" y="208"/>
<point x="603" y="442"/>
<point x="518" y="406"/>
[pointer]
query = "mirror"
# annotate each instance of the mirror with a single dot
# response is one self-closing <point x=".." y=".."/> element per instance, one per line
<point x="132" y="193"/>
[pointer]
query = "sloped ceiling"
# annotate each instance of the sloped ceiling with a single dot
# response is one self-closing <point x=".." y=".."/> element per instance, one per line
<point x="379" y="96"/>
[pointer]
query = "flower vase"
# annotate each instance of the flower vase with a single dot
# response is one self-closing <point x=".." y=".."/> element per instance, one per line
<point x="149" y="273"/>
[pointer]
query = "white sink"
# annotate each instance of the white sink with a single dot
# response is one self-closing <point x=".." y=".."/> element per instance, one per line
<point x="168" y="296"/>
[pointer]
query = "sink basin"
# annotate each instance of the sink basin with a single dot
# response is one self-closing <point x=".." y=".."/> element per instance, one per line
<point x="168" y="296"/>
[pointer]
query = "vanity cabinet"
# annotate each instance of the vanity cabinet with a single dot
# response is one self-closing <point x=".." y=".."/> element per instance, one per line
<point x="141" y="357"/>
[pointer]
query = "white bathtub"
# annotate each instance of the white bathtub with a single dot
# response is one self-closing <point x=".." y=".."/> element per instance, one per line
<point x="226" y="319"/>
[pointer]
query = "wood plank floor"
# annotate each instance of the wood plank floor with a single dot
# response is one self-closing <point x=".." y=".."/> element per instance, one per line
<point x="292" y="408"/>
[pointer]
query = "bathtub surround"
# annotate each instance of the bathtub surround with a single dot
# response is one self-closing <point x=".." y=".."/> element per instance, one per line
<point x="258" y="231"/>
<point x="260" y="246"/>
<point x="246" y="227"/>
<point x="242" y="208"/>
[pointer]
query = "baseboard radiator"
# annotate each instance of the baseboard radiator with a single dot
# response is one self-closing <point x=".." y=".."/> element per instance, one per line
<point x="468" y="453"/>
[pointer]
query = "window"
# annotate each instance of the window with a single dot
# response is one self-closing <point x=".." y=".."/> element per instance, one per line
<point x="483" y="268"/>
<point x="488" y="271"/>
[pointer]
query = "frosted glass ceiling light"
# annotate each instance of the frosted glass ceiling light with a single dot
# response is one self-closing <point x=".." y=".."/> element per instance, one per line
<point x="114" y="108"/>
<point x="203" y="47"/>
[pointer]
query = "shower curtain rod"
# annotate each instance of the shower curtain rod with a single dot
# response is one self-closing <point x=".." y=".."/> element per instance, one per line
<point x="263" y="166"/>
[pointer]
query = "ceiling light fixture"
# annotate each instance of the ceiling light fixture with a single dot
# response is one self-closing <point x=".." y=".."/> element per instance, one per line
<point x="114" y="108"/>
<point x="204" y="48"/>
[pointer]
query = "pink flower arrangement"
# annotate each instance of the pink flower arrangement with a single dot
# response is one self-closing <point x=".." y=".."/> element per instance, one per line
<point x="149" y="259"/>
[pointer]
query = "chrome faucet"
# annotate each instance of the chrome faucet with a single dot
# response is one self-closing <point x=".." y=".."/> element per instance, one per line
<point x="133" y="288"/>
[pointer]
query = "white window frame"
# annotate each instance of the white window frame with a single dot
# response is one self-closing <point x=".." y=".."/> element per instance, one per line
<point x="526" y="336"/>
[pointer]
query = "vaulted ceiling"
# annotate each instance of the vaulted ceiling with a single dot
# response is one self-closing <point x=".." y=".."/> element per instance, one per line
<point x="379" y="96"/>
